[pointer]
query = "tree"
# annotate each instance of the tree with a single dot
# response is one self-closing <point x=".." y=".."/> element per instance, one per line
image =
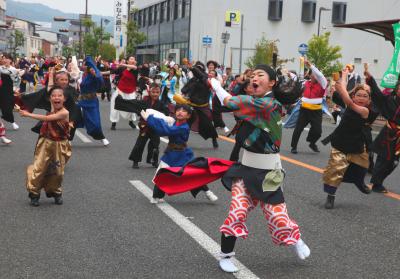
<point x="264" y="52"/>
<point x="324" y="56"/>
<point x="134" y="37"/>
<point x="15" y="41"/>
<point x="93" y="39"/>
<point x="107" y="51"/>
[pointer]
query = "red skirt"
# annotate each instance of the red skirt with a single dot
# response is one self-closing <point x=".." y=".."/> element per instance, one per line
<point x="196" y="173"/>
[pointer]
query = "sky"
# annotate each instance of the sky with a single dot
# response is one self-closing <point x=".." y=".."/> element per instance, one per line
<point x="99" y="7"/>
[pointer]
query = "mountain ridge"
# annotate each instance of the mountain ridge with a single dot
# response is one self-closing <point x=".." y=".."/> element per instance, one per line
<point x="37" y="12"/>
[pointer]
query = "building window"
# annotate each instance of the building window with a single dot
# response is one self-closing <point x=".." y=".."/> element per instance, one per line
<point x="357" y="60"/>
<point x="176" y="9"/>
<point x="144" y="20"/>
<point x="339" y="12"/>
<point x="275" y="10"/>
<point x="168" y="10"/>
<point x="156" y="13"/>
<point x="140" y="16"/>
<point x="308" y="11"/>
<point x="150" y="16"/>
<point x="162" y="12"/>
<point x="184" y="3"/>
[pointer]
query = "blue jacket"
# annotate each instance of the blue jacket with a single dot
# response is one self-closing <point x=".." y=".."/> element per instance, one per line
<point x="91" y="83"/>
<point x="177" y="135"/>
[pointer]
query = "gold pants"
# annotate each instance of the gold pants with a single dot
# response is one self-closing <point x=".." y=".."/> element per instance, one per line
<point x="47" y="170"/>
<point x="338" y="164"/>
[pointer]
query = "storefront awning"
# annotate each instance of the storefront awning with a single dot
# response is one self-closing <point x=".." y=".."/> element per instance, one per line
<point x="381" y="28"/>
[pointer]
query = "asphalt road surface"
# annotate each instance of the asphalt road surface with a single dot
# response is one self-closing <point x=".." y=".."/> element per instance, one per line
<point x="108" y="229"/>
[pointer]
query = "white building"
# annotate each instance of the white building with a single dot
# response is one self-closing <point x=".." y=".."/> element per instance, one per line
<point x="3" y="25"/>
<point x="32" y="42"/>
<point x="177" y="27"/>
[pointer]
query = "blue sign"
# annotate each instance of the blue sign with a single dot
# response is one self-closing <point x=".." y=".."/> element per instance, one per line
<point x="207" y="40"/>
<point x="303" y="49"/>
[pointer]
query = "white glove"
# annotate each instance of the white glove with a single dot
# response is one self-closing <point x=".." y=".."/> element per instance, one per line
<point x="221" y="93"/>
<point x="215" y="84"/>
<point x="144" y="115"/>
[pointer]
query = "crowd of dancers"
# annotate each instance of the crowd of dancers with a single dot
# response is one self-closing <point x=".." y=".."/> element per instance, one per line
<point x="172" y="100"/>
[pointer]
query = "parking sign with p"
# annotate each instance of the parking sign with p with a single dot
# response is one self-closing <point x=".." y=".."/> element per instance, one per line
<point x="232" y="18"/>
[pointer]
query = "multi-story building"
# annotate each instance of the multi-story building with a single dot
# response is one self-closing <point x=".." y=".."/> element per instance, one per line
<point x="177" y="29"/>
<point x="52" y="42"/>
<point x="33" y="42"/>
<point x="3" y="25"/>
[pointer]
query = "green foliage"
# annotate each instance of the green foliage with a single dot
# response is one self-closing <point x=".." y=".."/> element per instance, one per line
<point x="134" y="37"/>
<point x="263" y="53"/>
<point x="324" y="56"/>
<point x="107" y="51"/>
<point x="94" y="37"/>
<point x="41" y="53"/>
<point x="15" y="41"/>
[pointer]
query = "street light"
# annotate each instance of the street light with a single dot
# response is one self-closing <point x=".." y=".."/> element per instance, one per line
<point x="321" y="9"/>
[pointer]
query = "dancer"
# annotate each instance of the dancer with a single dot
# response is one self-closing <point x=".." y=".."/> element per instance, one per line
<point x="177" y="153"/>
<point x="216" y="105"/>
<point x="126" y="87"/>
<point x="311" y="109"/>
<point x="348" y="160"/>
<point x="198" y="95"/>
<point x="88" y="102"/>
<point x="52" y="151"/>
<point x="258" y="178"/>
<point x="41" y="99"/>
<point x="8" y="75"/>
<point x="246" y="89"/>
<point x="387" y="143"/>
<point x="146" y="133"/>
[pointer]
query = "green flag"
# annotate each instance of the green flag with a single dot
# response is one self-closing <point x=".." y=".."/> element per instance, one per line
<point x="391" y="75"/>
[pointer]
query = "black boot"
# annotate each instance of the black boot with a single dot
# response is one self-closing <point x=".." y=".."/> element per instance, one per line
<point x="132" y="124"/>
<point x="215" y="143"/>
<point x="330" y="202"/>
<point x="113" y="125"/>
<point x="379" y="188"/>
<point x="314" y="147"/>
<point x="154" y="159"/>
<point x="58" y="199"/>
<point x="135" y="165"/>
<point x="363" y="188"/>
<point x="34" y="200"/>
<point x="294" y="150"/>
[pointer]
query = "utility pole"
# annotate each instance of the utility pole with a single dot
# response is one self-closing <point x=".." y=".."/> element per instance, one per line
<point x="241" y="44"/>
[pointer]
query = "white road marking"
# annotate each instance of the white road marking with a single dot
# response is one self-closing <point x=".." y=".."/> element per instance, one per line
<point x="193" y="231"/>
<point x="84" y="138"/>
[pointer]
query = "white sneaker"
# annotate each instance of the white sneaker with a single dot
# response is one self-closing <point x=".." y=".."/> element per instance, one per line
<point x="211" y="196"/>
<point x="302" y="249"/>
<point x="156" y="200"/>
<point x="105" y="142"/>
<point x="14" y="126"/>
<point x="5" y="140"/>
<point x="227" y="265"/>
<point x="226" y="130"/>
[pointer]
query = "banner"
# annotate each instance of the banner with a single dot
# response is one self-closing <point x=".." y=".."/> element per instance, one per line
<point x="118" y="6"/>
<point x="391" y="75"/>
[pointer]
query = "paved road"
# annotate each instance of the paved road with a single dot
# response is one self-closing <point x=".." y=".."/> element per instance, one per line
<point x="108" y="229"/>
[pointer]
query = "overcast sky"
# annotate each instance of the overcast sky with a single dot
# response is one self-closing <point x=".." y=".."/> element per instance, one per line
<point x="100" y="7"/>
